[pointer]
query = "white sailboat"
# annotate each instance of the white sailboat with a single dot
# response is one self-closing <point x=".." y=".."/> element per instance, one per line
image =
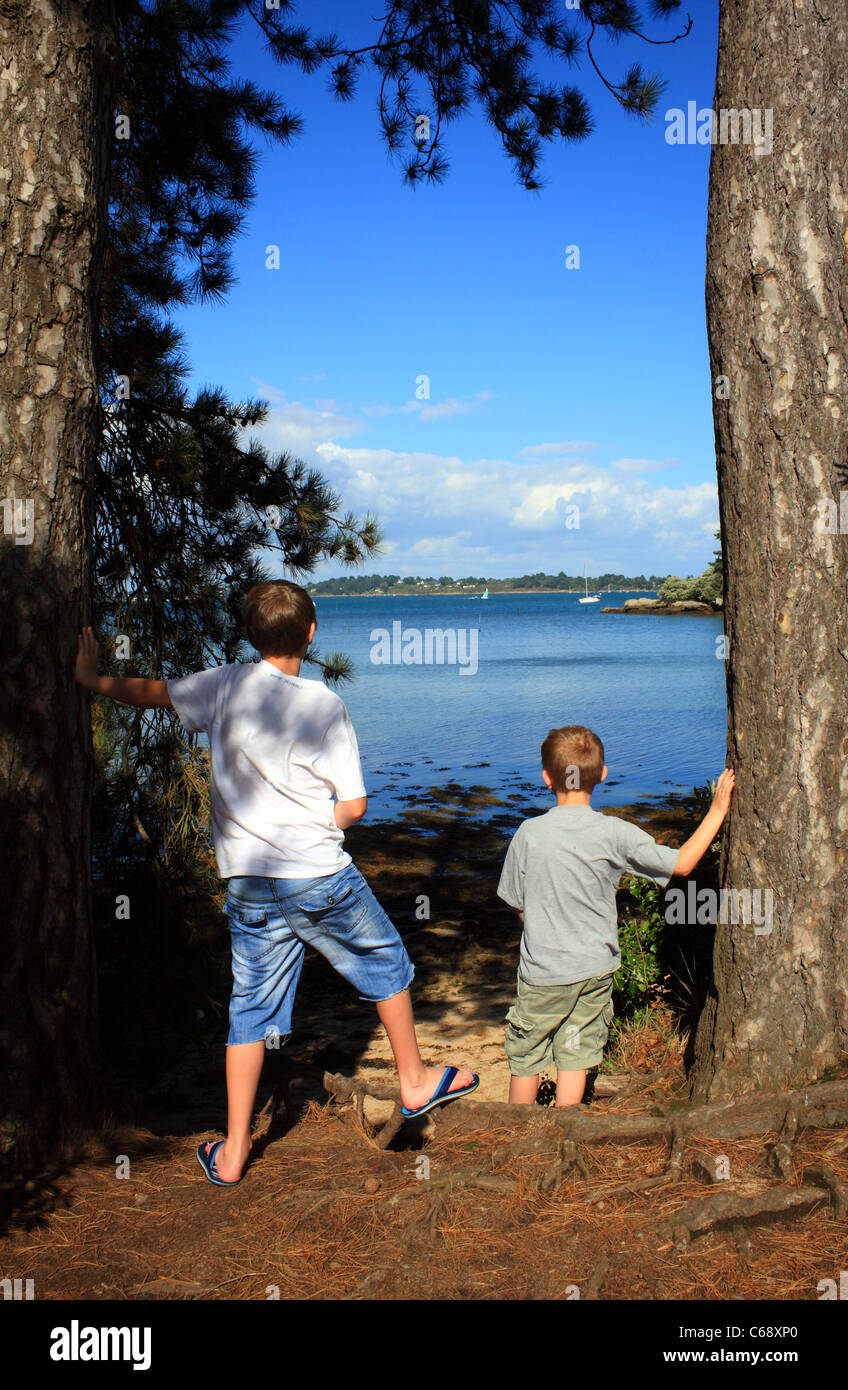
<point x="486" y="594"/>
<point x="590" y="598"/>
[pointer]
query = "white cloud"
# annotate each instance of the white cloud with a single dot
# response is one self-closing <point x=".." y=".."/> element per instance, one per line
<point x="498" y="516"/>
<point x="438" y="410"/>
<point x="449" y="515"/>
<point x="542" y="507"/>
<point x="643" y="465"/>
<point x="566" y="446"/>
<point x="443" y="409"/>
<point x="269" y="393"/>
<point x="299" y="429"/>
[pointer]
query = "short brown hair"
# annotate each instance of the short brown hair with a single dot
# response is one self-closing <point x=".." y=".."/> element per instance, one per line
<point x="573" y="749"/>
<point x="277" y="617"/>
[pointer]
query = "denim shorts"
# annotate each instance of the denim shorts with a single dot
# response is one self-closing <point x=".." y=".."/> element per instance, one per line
<point x="273" y="920"/>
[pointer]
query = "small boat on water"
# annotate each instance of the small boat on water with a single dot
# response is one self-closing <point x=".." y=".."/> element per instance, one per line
<point x="590" y="598"/>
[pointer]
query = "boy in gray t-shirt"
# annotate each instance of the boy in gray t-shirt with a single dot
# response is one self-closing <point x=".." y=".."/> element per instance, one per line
<point x="561" y="873"/>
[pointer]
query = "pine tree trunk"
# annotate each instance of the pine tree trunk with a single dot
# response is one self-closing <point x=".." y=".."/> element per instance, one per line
<point x="56" y="127"/>
<point x="777" y="310"/>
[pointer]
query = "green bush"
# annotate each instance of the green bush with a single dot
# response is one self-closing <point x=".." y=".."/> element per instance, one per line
<point x="659" y="961"/>
<point x="638" y="980"/>
<point x="706" y="587"/>
<point x="709" y="587"/>
<point x="674" y="589"/>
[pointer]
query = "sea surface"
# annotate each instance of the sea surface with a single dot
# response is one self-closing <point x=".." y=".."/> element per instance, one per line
<point x="652" y="688"/>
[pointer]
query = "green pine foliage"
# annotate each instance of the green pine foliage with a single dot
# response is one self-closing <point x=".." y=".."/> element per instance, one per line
<point x="440" y="59"/>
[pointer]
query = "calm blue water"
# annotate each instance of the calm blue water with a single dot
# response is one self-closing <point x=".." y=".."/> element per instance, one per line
<point x="651" y="688"/>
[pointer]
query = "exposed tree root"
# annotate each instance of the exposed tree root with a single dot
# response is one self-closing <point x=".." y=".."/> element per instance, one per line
<point x="703" y="1166"/>
<point x="736" y="1210"/>
<point x="568" y="1160"/>
<point x="823" y="1176"/>
<point x="743" y="1243"/>
<point x="438" y="1190"/>
<point x="821" y="1105"/>
<point x="546" y="1148"/>
<point x="672" y="1172"/>
<point x="779" y="1154"/>
<point x="344" y="1091"/>
<point x="592" y="1288"/>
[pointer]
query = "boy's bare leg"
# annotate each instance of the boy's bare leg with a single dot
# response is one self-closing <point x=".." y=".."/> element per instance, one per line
<point x="570" y="1087"/>
<point x="417" y="1082"/>
<point x="244" y="1068"/>
<point x="523" y="1090"/>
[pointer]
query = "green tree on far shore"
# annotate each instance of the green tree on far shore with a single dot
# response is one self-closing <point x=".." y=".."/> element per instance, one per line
<point x="706" y="587"/>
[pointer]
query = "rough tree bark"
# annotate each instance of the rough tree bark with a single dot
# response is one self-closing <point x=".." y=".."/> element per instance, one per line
<point x="56" y="125"/>
<point x="777" y="310"/>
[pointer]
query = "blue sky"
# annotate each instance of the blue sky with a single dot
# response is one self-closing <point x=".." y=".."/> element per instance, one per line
<point x="549" y="387"/>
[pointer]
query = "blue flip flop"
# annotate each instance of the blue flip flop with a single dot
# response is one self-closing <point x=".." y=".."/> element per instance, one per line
<point x="207" y="1163"/>
<point x="442" y="1093"/>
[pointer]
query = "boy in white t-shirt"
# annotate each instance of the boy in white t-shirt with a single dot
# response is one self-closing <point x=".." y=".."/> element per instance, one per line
<point x="286" y="784"/>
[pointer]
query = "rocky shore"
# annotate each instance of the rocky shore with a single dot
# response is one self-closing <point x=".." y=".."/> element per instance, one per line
<point x="689" y="606"/>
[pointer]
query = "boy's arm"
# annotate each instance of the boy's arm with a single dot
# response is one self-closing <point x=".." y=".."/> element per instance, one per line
<point x="691" y="853"/>
<point x="511" y="885"/>
<point x="128" y="690"/>
<point x="338" y="763"/>
<point x="347" y="813"/>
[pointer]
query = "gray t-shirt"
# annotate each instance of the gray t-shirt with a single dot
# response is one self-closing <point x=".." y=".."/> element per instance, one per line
<point x="562" y="870"/>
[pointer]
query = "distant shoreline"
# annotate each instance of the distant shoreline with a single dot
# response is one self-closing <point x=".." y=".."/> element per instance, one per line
<point x="453" y="594"/>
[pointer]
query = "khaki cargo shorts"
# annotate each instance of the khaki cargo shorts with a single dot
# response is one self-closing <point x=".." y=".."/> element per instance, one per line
<point x="565" y="1026"/>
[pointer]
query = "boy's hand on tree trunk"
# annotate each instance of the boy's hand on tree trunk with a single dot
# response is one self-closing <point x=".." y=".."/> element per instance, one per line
<point x="88" y="658"/>
<point x="692" y="852"/>
<point x="724" y="791"/>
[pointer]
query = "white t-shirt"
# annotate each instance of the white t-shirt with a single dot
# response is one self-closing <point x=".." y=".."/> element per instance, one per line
<point x="282" y="749"/>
